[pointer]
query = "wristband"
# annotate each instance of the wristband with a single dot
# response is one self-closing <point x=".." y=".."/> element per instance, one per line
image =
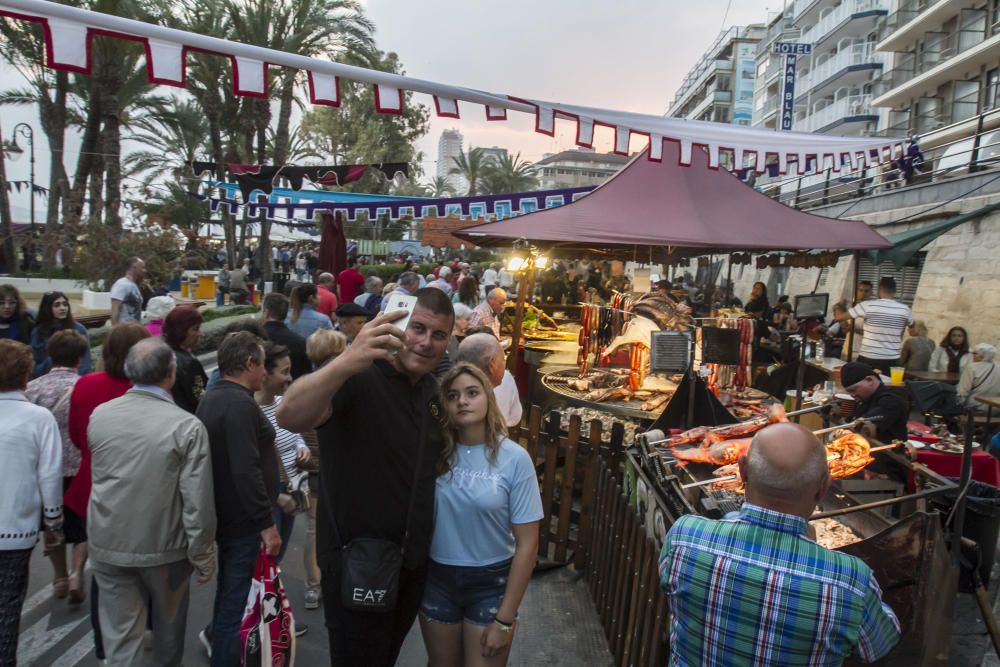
<point x="504" y="627"/>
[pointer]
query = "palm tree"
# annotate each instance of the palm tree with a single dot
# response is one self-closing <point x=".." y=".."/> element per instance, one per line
<point x="439" y="187"/>
<point x="173" y="133"/>
<point x="473" y="167"/>
<point x="509" y="174"/>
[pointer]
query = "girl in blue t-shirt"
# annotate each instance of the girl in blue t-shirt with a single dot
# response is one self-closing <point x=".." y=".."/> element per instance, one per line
<point x="487" y="510"/>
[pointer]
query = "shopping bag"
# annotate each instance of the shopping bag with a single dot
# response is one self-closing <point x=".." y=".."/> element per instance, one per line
<point x="267" y="633"/>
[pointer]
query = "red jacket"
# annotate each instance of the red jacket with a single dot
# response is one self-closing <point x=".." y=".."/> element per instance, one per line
<point x="88" y="392"/>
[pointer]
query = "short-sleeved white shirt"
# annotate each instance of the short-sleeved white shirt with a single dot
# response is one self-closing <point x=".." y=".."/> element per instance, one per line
<point x="885" y="322"/>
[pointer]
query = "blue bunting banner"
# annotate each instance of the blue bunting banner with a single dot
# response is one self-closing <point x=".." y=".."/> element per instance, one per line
<point x="474" y="208"/>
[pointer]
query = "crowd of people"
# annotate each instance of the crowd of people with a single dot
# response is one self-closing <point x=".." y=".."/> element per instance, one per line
<point x="282" y="427"/>
<point x="323" y="407"/>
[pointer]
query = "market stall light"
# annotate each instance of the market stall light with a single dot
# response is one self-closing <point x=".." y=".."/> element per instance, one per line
<point x="541" y="262"/>
<point x="516" y="263"/>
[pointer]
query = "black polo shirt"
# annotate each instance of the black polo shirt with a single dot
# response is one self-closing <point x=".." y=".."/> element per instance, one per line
<point x="279" y="334"/>
<point x="893" y="412"/>
<point x="368" y="454"/>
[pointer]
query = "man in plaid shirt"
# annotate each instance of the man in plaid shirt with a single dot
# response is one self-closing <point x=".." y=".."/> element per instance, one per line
<point x="754" y="589"/>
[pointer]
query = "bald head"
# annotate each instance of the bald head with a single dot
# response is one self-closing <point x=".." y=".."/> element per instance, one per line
<point x="786" y="469"/>
<point x="483" y="351"/>
<point x="325" y="279"/>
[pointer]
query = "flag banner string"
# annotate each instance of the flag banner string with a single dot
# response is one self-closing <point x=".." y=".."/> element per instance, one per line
<point x="68" y="32"/>
<point x="471" y="207"/>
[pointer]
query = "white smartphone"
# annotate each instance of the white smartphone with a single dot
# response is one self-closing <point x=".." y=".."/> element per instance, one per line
<point x="405" y="302"/>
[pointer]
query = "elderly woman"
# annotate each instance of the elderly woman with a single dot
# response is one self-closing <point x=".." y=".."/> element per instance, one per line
<point x="66" y="351"/>
<point x="980" y="378"/>
<point x="30" y="487"/>
<point x="181" y="330"/>
<point x="16" y="322"/>
<point x="917" y="349"/>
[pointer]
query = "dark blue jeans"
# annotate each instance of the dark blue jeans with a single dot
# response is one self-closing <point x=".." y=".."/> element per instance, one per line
<point x="237" y="560"/>
<point x="285" y="524"/>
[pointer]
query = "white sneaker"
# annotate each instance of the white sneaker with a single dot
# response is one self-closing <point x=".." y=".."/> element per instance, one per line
<point x="206" y="642"/>
<point x="312" y="598"/>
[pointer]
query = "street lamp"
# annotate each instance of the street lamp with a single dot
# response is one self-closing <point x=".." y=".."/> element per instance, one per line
<point x="14" y="152"/>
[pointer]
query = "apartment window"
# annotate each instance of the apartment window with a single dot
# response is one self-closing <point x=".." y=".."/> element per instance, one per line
<point x="991" y="100"/>
<point x="965" y="100"/>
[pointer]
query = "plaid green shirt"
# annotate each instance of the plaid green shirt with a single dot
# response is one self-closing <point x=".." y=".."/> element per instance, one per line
<point x="752" y="589"/>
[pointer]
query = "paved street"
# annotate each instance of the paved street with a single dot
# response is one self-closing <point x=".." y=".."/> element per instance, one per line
<point x="558" y="627"/>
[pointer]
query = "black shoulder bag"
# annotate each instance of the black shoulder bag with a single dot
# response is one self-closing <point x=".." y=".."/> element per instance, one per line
<point x="369" y="567"/>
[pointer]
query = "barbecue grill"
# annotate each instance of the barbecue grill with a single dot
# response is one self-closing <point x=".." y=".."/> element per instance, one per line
<point x="555" y="382"/>
<point x="909" y="557"/>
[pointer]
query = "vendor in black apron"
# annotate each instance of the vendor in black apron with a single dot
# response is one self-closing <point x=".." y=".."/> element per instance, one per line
<point x="874" y="400"/>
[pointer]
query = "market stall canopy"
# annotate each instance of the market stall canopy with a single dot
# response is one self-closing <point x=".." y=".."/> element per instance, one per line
<point x="662" y="205"/>
<point x="906" y="244"/>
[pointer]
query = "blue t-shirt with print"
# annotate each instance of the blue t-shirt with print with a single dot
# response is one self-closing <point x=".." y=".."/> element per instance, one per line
<point x="476" y="503"/>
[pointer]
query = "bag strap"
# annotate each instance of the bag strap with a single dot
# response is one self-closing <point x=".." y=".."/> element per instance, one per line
<point x="413" y="491"/>
<point x="985" y="378"/>
<point x="416" y="479"/>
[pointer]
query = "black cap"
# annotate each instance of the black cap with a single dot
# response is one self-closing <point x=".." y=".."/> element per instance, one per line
<point x="351" y="309"/>
<point x="854" y="372"/>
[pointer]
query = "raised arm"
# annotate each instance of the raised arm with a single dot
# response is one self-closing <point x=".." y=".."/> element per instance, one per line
<point x="306" y="404"/>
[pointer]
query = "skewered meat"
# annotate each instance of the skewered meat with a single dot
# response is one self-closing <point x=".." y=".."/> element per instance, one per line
<point x="719" y="452"/>
<point x="699" y="433"/>
<point x="578" y="384"/>
<point x="733" y="485"/>
<point x="848" y="454"/>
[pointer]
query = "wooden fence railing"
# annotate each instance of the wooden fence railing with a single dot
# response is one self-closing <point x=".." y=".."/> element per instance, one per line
<point x="587" y="514"/>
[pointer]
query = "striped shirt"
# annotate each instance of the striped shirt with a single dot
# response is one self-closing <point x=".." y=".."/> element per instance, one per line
<point x="287" y="443"/>
<point x="885" y="321"/>
<point x="752" y="589"/>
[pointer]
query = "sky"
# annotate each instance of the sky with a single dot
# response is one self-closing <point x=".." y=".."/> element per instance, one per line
<point x="626" y="55"/>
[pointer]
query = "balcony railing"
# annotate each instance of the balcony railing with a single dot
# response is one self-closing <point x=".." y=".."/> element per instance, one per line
<point x="846" y="9"/>
<point x="858" y="54"/>
<point x="911" y="65"/>
<point x="907" y="11"/>
<point x="854" y="105"/>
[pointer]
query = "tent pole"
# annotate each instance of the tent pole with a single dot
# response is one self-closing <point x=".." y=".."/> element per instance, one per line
<point x="522" y="295"/>
<point x="854" y="287"/>
<point x="729" y="279"/>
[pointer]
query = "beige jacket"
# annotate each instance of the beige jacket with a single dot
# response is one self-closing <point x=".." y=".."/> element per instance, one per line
<point x="152" y="501"/>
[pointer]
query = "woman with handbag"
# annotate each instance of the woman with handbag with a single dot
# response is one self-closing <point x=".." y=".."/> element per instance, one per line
<point x="292" y="448"/>
<point x="487" y="512"/>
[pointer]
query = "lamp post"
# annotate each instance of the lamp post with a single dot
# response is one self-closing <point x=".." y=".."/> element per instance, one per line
<point x="525" y="260"/>
<point x="14" y="152"/>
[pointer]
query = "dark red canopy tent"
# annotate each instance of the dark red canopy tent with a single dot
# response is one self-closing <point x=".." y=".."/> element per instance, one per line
<point x="676" y="210"/>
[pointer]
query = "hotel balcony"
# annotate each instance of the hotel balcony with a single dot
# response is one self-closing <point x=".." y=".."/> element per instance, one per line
<point x="850" y="67"/>
<point x="943" y="58"/>
<point x="845" y="111"/>
<point x="913" y="18"/>
<point x="850" y="18"/>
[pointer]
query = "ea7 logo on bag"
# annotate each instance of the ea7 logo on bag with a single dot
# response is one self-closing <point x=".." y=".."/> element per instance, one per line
<point x="368" y="596"/>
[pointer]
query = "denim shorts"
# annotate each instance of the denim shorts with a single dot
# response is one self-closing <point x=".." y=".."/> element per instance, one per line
<point x="471" y="594"/>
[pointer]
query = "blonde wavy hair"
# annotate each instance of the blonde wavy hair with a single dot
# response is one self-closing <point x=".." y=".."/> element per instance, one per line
<point x="496" y="429"/>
